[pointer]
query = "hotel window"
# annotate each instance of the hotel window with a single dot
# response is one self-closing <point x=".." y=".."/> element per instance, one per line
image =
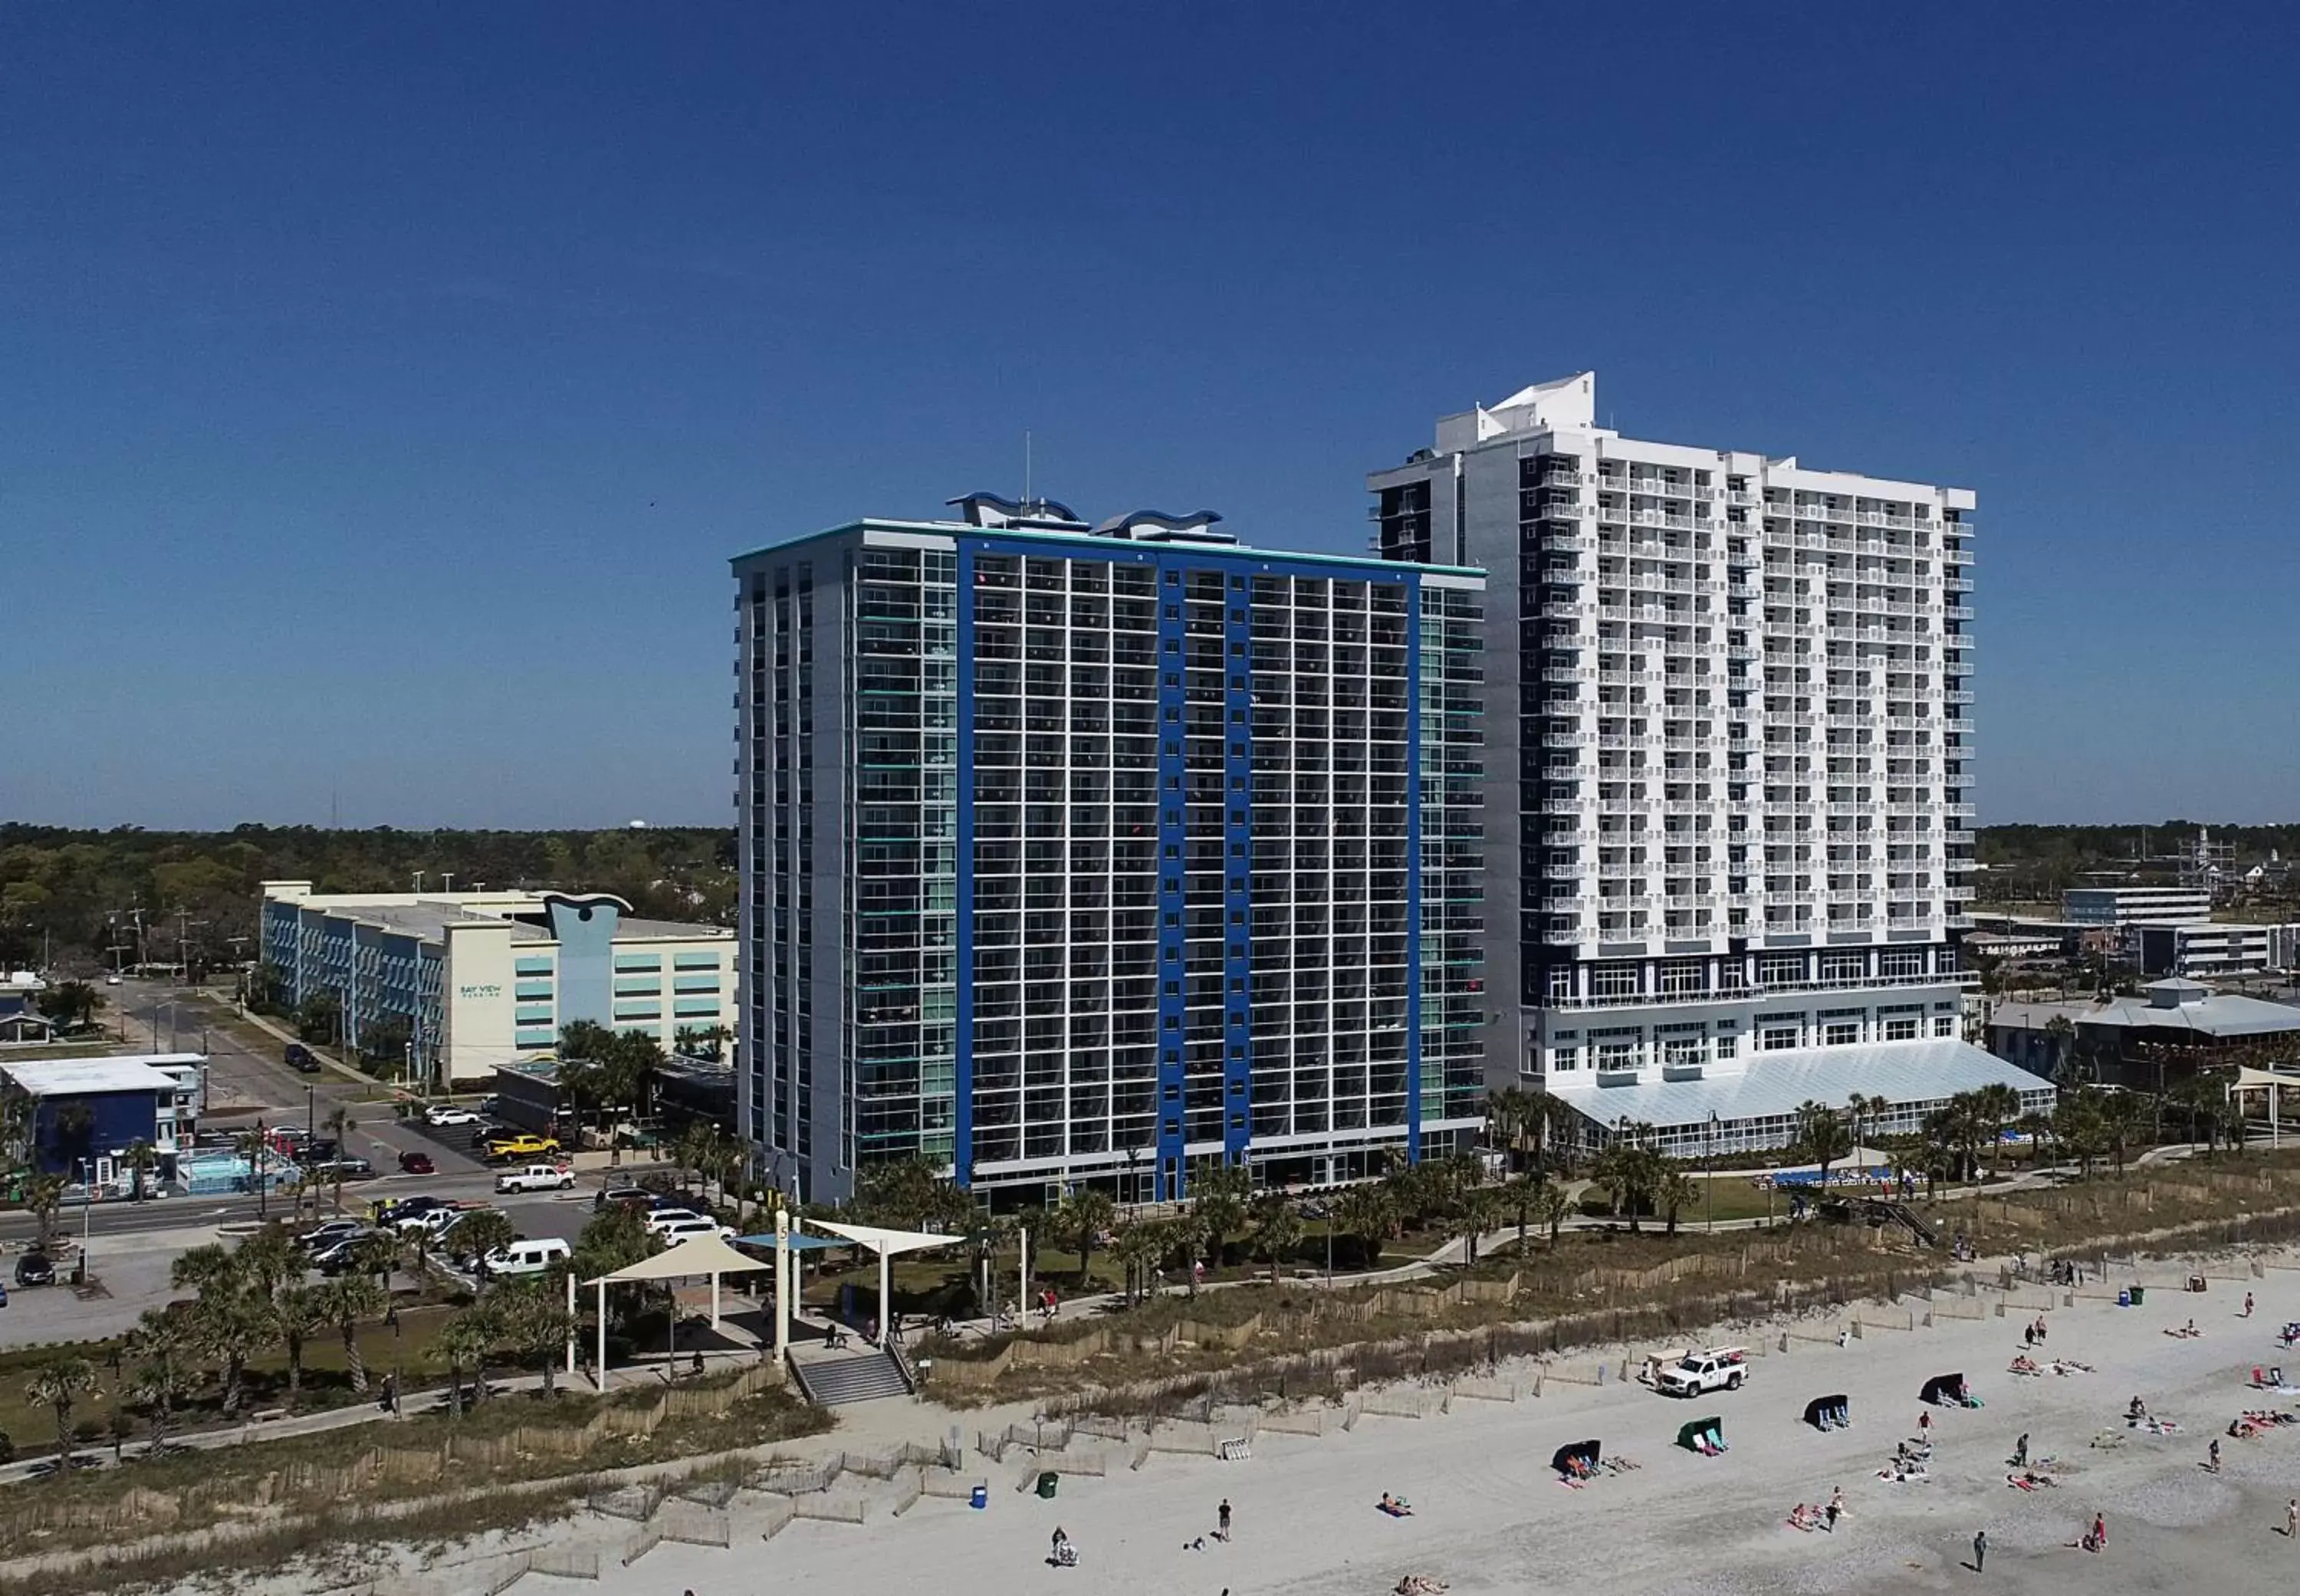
<point x="1682" y="1051"/>
<point x="1773" y="1038"/>
<point x="1729" y="1047"/>
<point x="1900" y="961"/>
<point x="1682" y="977"/>
<point x="1840" y="1034"/>
<point x="1564" y="1061"/>
<point x="1901" y="1029"/>
<point x="1943" y="1025"/>
<point x="1781" y="969"/>
<point x="1561" y="983"/>
<point x="1614" y="980"/>
<point x="1844" y="967"/>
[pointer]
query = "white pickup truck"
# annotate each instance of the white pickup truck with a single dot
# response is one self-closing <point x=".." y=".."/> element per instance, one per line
<point x="1709" y="1368"/>
<point x="536" y="1177"/>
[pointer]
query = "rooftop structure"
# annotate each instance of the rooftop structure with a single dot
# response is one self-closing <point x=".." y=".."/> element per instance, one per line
<point x="1727" y="820"/>
<point x="452" y="984"/>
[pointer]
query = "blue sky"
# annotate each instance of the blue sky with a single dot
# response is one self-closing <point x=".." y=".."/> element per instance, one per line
<point x="383" y="388"/>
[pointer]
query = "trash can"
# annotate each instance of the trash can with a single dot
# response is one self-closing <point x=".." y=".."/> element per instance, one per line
<point x="2139" y="1295"/>
<point x="980" y="1497"/>
<point x="1046" y="1483"/>
<point x="2124" y="1298"/>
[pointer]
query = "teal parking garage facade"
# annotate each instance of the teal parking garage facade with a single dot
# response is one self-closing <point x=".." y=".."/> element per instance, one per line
<point x="1102" y="856"/>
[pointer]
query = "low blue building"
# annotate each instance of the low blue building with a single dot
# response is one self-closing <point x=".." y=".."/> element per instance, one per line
<point x="88" y="1112"/>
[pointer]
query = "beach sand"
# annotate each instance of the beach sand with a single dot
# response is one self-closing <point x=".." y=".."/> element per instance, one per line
<point x="1489" y="1515"/>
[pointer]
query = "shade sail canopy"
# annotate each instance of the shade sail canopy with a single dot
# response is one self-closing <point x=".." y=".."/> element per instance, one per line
<point x="799" y="1242"/>
<point x="887" y="1244"/>
<point x="696" y="1255"/>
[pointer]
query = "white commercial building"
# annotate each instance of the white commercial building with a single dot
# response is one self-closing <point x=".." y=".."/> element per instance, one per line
<point x="1729" y="803"/>
<point x="2202" y="951"/>
<point x="2137" y="905"/>
<point x="465" y="982"/>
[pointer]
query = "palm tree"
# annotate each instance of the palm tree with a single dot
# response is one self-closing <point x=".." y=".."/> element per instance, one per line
<point x="535" y="1324"/>
<point x="141" y="1159"/>
<point x="231" y="1325"/>
<point x="58" y="1385"/>
<point x="339" y="1124"/>
<point x="164" y="1356"/>
<point x="2079" y="1126"/>
<point x="1550" y="1208"/>
<point x="15" y="1133"/>
<point x="1277" y="1230"/>
<point x="477" y="1234"/>
<point x="1513" y="1117"/>
<point x="71" y="1004"/>
<point x="1823" y="1137"/>
<point x="1190" y="1230"/>
<point x="1141" y="1244"/>
<point x="296" y="1311"/>
<point x="1997" y="1106"/>
<point x="1518" y="1200"/>
<point x="1083" y="1218"/>
<point x="1219" y="1198"/>
<point x="2123" y="1118"/>
<point x="1676" y="1190"/>
<point x="463" y="1343"/>
<point x="44" y="1195"/>
<point x="343" y="1303"/>
<point x="1367" y="1213"/>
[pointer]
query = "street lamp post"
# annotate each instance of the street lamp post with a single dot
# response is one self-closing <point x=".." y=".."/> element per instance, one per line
<point x="1710" y="1172"/>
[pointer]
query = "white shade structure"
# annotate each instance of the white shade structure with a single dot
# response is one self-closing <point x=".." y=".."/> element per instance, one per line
<point x="887" y="1244"/>
<point x="698" y="1255"/>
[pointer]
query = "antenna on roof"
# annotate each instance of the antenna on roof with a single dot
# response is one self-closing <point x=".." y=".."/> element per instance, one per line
<point x="1026" y="468"/>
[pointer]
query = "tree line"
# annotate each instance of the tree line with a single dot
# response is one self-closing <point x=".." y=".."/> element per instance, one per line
<point x="82" y="901"/>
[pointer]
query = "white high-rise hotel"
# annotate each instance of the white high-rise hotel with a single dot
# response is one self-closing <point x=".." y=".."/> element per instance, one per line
<point x="1733" y="693"/>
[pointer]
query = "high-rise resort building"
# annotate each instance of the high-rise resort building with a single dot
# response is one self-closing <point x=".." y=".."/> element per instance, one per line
<point x="1729" y="809"/>
<point x="1097" y="855"/>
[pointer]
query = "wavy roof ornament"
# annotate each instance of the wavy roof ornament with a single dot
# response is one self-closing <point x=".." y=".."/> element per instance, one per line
<point x="1155" y="525"/>
<point x="1036" y="514"/>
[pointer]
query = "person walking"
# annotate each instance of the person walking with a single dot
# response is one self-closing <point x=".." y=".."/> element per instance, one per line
<point x="2292" y="1519"/>
<point x="2247" y="1304"/>
<point x="2099" y="1533"/>
<point x="1221" y="1515"/>
<point x="1980" y="1550"/>
<point x="1835" y="1509"/>
<point x="2215" y="1464"/>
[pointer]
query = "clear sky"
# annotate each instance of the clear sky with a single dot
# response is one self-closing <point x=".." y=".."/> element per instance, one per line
<point x="383" y="387"/>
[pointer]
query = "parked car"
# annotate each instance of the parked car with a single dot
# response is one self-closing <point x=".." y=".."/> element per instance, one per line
<point x="663" y="1217"/>
<point x="526" y="1257"/>
<point x="623" y="1197"/>
<point x="339" y="1258"/>
<point x="341" y="1168"/>
<point x="536" y="1177"/>
<point x="435" y="1222"/>
<point x="300" y="1060"/>
<point x="330" y="1233"/>
<point x="317" y="1151"/>
<point x="394" y="1215"/>
<point x="36" y="1268"/>
<point x="415" y="1163"/>
<point x="687" y="1229"/>
<point x="442" y="1115"/>
<point x="520" y="1144"/>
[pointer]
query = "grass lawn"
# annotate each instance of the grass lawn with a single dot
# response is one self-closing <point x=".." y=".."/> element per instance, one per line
<point x="327" y="1379"/>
